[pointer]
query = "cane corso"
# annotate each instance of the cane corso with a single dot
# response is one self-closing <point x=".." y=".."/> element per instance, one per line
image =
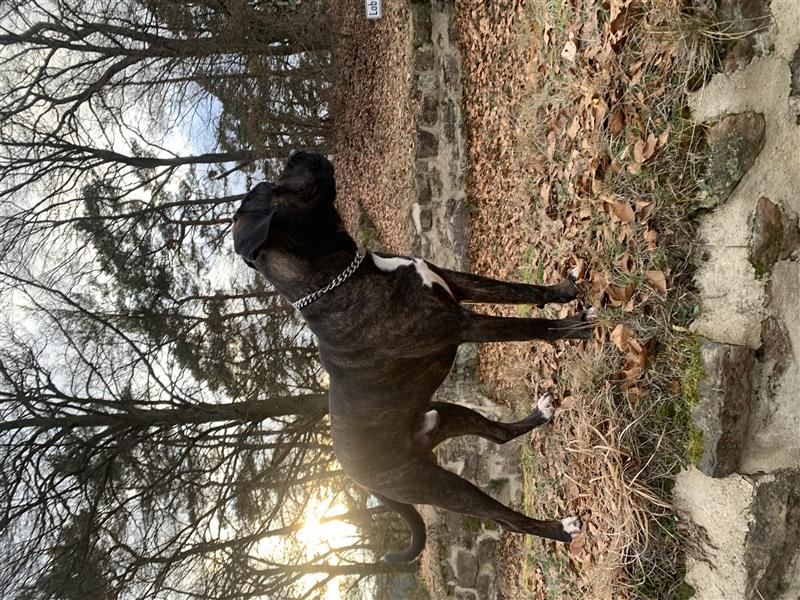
<point x="388" y="328"/>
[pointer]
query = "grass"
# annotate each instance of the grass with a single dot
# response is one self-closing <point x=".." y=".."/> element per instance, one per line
<point x="623" y="439"/>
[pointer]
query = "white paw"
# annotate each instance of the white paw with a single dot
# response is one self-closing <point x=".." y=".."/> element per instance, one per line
<point x="590" y="315"/>
<point x="573" y="273"/>
<point x="430" y="421"/>
<point x="546" y="406"/>
<point x="572" y="525"/>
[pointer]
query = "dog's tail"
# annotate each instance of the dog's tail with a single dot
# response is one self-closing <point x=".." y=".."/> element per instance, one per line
<point x="418" y="536"/>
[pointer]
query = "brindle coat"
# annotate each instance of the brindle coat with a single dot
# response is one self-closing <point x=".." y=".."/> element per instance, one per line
<point x="388" y="339"/>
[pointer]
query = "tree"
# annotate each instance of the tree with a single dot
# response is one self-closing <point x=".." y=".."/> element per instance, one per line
<point x="163" y="430"/>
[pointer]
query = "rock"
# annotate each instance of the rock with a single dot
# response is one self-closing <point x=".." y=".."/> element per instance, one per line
<point x="449" y="121"/>
<point x="723" y="412"/>
<point x="430" y="107"/>
<point x="466" y="568"/>
<point x="773" y="546"/>
<point x="483" y="585"/>
<point x="751" y="526"/>
<point x="451" y="72"/>
<point x="423" y="187"/>
<point x="767" y="239"/>
<point x="486" y="550"/>
<point x="791" y="236"/>
<point x="746" y="24"/>
<point x="735" y="143"/>
<point x="427" y="144"/>
<point x="794" y="66"/>
<point x="423" y="59"/>
<point x="425" y="219"/>
<point x="421" y="17"/>
<point x="776" y="347"/>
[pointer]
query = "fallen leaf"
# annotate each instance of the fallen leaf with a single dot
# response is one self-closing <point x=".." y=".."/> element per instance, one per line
<point x="638" y="151"/>
<point x="617" y="123"/>
<point x="573" y="128"/>
<point x="569" y="51"/>
<point x="645" y="209"/>
<point x="622" y="211"/>
<point x="626" y="263"/>
<point x="650" y="147"/>
<point x="621" y="335"/>
<point x="650" y="236"/>
<point x="657" y="281"/>
<point x="619" y="295"/>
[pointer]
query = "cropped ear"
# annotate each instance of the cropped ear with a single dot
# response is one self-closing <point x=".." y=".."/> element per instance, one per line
<point x="250" y="232"/>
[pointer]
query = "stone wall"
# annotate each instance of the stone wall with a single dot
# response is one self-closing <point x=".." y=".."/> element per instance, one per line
<point x="460" y="560"/>
<point x="744" y="492"/>
<point x="440" y="213"/>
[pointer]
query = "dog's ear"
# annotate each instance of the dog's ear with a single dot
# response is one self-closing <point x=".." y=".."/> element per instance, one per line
<point x="250" y="232"/>
<point x="251" y="224"/>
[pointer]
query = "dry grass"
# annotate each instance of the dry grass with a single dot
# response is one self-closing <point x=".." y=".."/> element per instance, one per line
<point x="585" y="104"/>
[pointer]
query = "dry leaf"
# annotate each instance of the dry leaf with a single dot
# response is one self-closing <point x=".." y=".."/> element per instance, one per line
<point x="569" y="51"/>
<point x="621" y="336"/>
<point x="573" y="129"/>
<point x="622" y="211"/>
<point x="650" y="147"/>
<point x="638" y="151"/>
<point x="657" y="281"/>
<point x="617" y="123"/>
<point x="650" y="236"/>
<point x="626" y="263"/>
<point x="645" y="209"/>
<point x="619" y="295"/>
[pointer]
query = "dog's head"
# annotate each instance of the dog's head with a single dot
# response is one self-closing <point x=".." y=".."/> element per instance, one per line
<point x="297" y="208"/>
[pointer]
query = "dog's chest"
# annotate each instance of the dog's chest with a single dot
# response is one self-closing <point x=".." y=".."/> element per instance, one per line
<point x="426" y="274"/>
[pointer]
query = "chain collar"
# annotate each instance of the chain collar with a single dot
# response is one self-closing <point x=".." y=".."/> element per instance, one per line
<point x="340" y="279"/>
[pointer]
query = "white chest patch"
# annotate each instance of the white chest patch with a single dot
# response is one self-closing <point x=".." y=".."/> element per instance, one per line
<point x="423" y="270"/>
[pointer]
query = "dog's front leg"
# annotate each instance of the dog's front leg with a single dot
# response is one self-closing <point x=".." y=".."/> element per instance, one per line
<point x="486" y="328"/>
<point x="475" y="289"/>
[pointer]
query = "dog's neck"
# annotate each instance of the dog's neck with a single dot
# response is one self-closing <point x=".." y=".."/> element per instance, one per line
<point x="298" y="271"/>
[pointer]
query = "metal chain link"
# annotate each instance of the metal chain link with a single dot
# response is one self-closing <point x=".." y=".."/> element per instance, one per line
<point x="341" y="278"/>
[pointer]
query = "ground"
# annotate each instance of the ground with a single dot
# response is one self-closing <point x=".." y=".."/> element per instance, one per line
<point x="585" y="145"/>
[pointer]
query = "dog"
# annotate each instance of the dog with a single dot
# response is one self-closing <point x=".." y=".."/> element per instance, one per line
<point x="388" y="328"/>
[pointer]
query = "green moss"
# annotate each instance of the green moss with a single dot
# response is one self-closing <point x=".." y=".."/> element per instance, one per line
<point x="472" y="524"/>
<point x="693" y="375"/>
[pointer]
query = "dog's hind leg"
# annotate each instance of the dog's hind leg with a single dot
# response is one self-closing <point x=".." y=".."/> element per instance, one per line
<point x="475" y="289"/>
<point x="424" y="482"/>
<point x="453" y="420"/>
<point x="486" y="328"/>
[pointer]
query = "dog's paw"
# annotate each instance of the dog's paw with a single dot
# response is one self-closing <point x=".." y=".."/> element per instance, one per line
<point x="571" y="526"/>
<point x="573" y="274"/>
<point x="545" y="406"/>
<point x="590" y="315"/>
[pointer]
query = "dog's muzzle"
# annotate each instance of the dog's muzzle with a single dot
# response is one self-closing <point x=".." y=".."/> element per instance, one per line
<point x="252" y="223"/>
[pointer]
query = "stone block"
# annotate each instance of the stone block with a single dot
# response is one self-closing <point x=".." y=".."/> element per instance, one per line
<point x="466" y="568"/>
<point x="421" y="18"/>
<point x="735" y="143"/>
<point x="430" y="110"/>
<point x="724" y="410"/>
<point x="427" y="144"/>
<point x="423" y="59"/>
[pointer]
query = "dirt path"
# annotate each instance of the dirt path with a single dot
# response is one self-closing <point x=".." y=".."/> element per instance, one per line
<point x="746" y="492"/>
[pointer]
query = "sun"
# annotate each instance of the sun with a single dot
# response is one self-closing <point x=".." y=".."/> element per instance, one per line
<point x="319" y="534"/>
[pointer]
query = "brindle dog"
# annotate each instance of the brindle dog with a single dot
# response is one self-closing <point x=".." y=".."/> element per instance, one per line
<point x="388" y="328"/>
